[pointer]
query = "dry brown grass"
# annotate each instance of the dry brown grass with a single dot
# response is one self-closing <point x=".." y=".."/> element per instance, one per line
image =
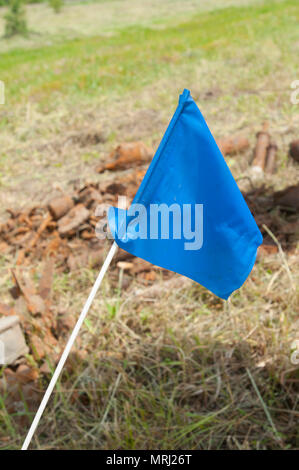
<point x="172" y="366"/>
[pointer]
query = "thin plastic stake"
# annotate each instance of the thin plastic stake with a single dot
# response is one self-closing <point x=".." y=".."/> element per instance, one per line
<point x="68" y="347"/>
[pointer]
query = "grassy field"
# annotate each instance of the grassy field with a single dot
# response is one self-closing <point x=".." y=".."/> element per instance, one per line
<point x="180" y="368"/>
<point x="91" y="18"/>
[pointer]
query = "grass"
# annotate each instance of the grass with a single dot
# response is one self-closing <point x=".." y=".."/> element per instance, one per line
<point x="179" y="368"/>
<point x="83" y="19"/>
<point x="61" y="89"/>
<point x="137" y="56"/>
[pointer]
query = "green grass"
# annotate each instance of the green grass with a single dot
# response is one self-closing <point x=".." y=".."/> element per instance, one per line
<point x="138" y="56"/>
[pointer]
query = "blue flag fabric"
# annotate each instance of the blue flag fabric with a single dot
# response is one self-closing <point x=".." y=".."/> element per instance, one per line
<point x="188" y="172"/>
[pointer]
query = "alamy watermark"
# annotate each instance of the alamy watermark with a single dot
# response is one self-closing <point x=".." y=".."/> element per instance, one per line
<point x="154" y="222"/>
<point x="2" y="353"/>
<point x="2" y="92"/>
<point x="295" y="352"/>
<point x="295" y="94"/>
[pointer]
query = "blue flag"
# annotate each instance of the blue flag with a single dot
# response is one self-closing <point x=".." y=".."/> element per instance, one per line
<point x="189" y="215"/>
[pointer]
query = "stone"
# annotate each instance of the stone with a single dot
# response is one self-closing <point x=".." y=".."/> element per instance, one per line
<point x="12" y="342"/>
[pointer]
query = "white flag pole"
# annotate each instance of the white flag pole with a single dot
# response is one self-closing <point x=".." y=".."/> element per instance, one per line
<point x="68" y="347"/>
